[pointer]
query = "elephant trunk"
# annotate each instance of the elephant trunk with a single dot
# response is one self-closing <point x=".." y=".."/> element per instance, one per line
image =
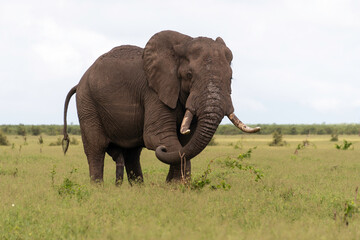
<point x="208" y="121"/>
<point x="205" y="130"/>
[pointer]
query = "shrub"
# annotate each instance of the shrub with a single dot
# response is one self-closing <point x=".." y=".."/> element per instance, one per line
<point x="35" y="130"/>
<point x="351" y="209"/>
<point x="334" y="137"/>
<point x="13" y="173"/>
<point x="238" y="145"/>
<point x="303" y="145"/>
<point x="41" y="140"/>
<point x="293" y="131"/>
<point x="345" y="146"/>
<point x="3" y="140"/>
<point x="277" y="139"/>
<point x="57" y="143"/>
<point x="199" y="182"/>
<point x="21" y="130"/>
<point x="70" y="189"/>
<point x="238" y="163"/>
<point x="53" y="130"/>
<point x="247" y="154"/>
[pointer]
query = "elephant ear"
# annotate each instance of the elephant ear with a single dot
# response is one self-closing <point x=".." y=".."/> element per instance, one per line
<point x="228" y="53"/>
<point x="161" y="63"/>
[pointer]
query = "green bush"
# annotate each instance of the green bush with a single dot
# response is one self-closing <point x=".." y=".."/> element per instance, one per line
<point x="345" y="146"/>
<point x="3" y="140"/>
<point x="334" y="137"/>
<point x="21" y="130"/>
<point x="41" y="140"/>
<point x="277" y="139"/>
<point x="35" y="130"/>
<point x="70" y="189"/>
<point x="57" y="143"/>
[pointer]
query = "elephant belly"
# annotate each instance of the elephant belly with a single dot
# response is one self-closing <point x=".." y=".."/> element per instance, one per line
<point x="123" y="124"/>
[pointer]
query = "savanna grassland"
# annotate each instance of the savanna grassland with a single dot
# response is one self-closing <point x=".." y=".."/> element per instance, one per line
<point x="265" y="193"/>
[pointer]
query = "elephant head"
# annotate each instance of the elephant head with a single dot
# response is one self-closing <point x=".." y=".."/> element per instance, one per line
<point x="195" y="72"/>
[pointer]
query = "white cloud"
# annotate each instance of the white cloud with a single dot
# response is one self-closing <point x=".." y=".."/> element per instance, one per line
<point x="325" y="105"/>
<point x="248" y="104"/>
<point x="293" y="57"/>
<point x="65" y="51"/>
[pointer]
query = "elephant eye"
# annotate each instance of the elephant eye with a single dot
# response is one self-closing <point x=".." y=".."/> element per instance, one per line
<point x="189" y="75"/>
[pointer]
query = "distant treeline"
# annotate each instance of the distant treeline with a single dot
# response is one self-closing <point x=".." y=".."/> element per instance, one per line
<point x="228" y="129"/>
<point x="36" y="130"/>
<point x="295" y="129"/>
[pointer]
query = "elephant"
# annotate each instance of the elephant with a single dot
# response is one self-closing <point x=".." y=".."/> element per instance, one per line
<point x="169" y="97"/>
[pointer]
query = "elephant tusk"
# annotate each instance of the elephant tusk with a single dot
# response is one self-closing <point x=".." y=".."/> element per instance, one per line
<point x="185" y="125"/>
<point x="241" y="125"/>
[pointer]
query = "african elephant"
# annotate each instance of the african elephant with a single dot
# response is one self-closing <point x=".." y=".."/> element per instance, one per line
<point x="169" y="97"/>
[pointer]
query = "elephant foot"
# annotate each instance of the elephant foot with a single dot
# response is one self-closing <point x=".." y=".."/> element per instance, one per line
<point x="135" y="179"/>
<point x="179" y="173"/>
<point x="96" y="181"/>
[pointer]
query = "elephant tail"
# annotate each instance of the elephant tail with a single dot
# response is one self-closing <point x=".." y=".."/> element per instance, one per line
<point x="66" y="140"/>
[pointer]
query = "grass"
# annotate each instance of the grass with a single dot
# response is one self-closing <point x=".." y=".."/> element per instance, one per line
<point x="46" y="195"/>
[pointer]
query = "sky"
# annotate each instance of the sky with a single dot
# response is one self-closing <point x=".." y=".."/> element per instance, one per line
<point x="295" y="62"/>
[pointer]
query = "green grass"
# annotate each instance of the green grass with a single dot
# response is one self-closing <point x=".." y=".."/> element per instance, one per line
<point x="46" y="195"/>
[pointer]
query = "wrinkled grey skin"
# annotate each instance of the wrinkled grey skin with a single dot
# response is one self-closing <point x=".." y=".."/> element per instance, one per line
<point x="132" y="98"/>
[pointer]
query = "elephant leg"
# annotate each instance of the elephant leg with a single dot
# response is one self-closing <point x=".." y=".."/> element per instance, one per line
<point x="117" y="155"/>
<point x="95" y="155"/>
<point x="132" y="165"/>
<point x="95" y="143"/>
<point x="96" y="166"/>
<point x="119" y="170"/>
<point x="175" y="173"/>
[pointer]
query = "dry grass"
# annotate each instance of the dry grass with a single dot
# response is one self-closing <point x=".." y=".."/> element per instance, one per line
<point x="296" y="198"/>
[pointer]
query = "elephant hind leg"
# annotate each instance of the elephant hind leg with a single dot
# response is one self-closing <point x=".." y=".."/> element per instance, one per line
<point x="132" y="164"/>
<point x="95" y="153"/>
<point x="96" y="166"/>
<point x="95" y="143"/>
<point x="117" y="155"/>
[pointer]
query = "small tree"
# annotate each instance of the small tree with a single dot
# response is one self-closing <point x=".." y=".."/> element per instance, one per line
<point x="41" y="142"/>
<point x="277" y="139"/>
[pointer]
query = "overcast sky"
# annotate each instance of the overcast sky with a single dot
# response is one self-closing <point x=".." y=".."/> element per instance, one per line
<point x="294" y="61"/>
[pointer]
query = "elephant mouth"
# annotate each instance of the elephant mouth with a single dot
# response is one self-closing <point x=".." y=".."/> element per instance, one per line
<point x="185" y="125"/>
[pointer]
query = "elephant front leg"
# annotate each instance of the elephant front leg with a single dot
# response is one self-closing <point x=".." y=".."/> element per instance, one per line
<point x="132" y="165"/>
<point x="181" y="172"/>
